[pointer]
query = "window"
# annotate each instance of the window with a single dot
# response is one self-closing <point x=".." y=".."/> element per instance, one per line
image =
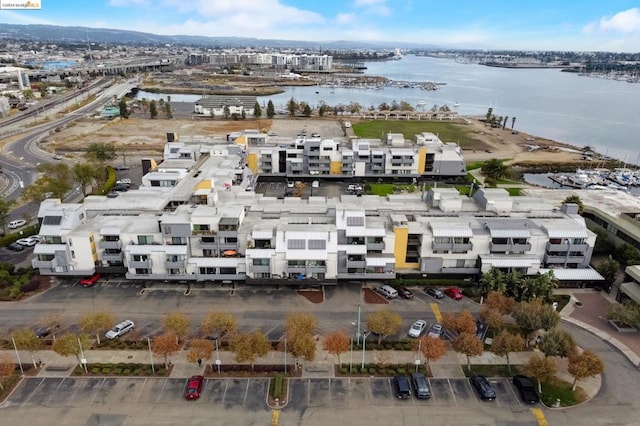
<point x="111" y="237"/>
<point x="207" y="253"/>
<point x="317" y="244"/>
<point x="52" y="220"/>
<point x="143" y="271"/>
<point x="227" y="271"/>
<point x="145" y="239"/>
<point x="179" y="241"/>
<point x="73" y="254"/>
<point x="174" y="272"/>
<point x="296" y="244"/>
<point x="140" y="257"/>
<point x="260" y="262"/>
<point x="201" y="227"/>
<point x="207" y="271"/>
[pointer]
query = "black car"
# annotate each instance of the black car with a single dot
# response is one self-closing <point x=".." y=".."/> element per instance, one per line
<point x="526" y="389"/>
<point x="403" y="391"/>
<point x="434" y="292"/>
<point x="15" y="247"/>
<point x="420" y="386"/>
<point x="483" y="387"/>
<point x="404" y="292"/>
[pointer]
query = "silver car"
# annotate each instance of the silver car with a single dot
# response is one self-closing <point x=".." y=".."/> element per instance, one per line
<point x="435" y="330"/>
<point x="417" y="328"/>
<point x="123" y="328"/>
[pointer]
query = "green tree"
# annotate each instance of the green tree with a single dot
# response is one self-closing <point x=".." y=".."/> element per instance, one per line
<point x="627" y="255"/>
<point x="257" y="111"/>
<point x="306" y="110"/>
<point x="97" y="322"/>
<point x="493" y="280"/>
<point x="468" y="344"/>
<point x="557" y="342"/>
<point x="69" y="344"/>
<point x="124" y="112"/>
<point x="271" y="110"/>
<point x="534" y="315"/>
<point x="243" y="115"/>
<point x="153" y="109"/>
<point x="167" y="110"/>
<point x="102" y="152"/>
<point x="384" y="323"/>
<point x="627" y="313"/>
<point x="574" y="199"/>
<point x="609" y="270"/>
<point x="586" y="364"/>
<point x="247" y="347"/>
<point x="86" y="174"/>
<point x="5" y="208"/>
<point x="56" y="179"/>
<point x="292" y="107"/>
<point x="226" y="112"/>
<point x="461" y="322"/>
<point x="43" y="88"/>
<point x="495" y="169"/>
<point x="489" y="115"/>
<point x="504" y="343"/>
<point x="541" y="369"/>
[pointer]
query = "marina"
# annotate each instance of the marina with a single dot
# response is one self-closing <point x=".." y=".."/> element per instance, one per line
<point x="622" y="179"/>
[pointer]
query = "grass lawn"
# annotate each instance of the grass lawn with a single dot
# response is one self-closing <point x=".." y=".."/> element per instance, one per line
<point x="562" y="299"/>
<point x="514" y="192"/>
<point x="554" y="389"/>
<point x="382" y="189"/>
<point x="497" y="370"/>
<point x="448" y="132"/>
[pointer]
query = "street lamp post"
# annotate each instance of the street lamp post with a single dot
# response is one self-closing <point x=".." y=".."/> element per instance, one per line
<point x="153" y="370"/>
<point x="358" y="333"/>
<point x="17" y="354"/>
<point x="217" y="357"/>
<point x="365" y="334"/>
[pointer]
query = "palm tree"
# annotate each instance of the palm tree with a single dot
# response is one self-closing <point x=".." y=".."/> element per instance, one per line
<point x="513" y="121"/>
<point x="495" y="169"/>
<point x="504" y="123"/>
<point x="493" y="280"/>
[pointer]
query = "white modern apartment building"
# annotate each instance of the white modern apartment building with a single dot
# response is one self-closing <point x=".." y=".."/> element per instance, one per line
<point x="192" y="219"/>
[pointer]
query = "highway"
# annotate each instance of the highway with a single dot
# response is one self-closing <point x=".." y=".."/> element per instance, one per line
<point x="20" y="158"/>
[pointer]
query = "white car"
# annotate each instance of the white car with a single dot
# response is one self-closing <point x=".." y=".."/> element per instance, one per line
<point x="29" y="241"/>
<point x="417" y="328"/>
<point x="123" y="328"/>
<point x="17" y="223"/>
<point x="315" y="184"/>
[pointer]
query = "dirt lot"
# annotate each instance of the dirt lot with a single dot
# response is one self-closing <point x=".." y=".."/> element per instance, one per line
<point x="145" y="137"/>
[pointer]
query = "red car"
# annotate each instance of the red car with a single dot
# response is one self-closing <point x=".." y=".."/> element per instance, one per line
<point x="194" y="387"/>
<point x="454" y="293"/>
<point x="89" y="281"/>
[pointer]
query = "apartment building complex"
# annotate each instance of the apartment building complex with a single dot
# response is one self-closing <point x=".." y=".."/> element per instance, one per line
<point x="299" y="62"/>
<point x="425" y="156"/>
<point x="193" y="220"/>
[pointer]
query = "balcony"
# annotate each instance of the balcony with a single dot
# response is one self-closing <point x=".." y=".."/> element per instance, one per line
<point x="567" y="247"/>
<point x="356" y="263"/>
<point x="44" y="264"/>
<point x="296" y="270"/>
<point x="112" y="257"/>
<point x="203" y="232"/>
<point x="260" y="268"/>
<point x="208" y="243"/>
<point x="375" y="246"/>
<point x="139" y="263"/>
<point x="520" y="248"/>
<point x="562" y="259"/>
<point x="460" y="247"/>
<point x="104" y="244"/>
<point x="175" y="264"/>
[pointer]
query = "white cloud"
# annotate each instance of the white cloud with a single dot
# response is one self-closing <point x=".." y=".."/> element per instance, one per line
<point x="373" y="7"/>
<point x="627" y="21"/>
<point x="345" y="18"/>
<point x="360" y="3"/>
<point x="19" y="18"/>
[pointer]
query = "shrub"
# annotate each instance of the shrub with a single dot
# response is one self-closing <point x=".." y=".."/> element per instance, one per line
<point x="402" y="371"/>
<point x="126" y="371"/>
<point x="372" y="370"/>
<point x="344" y="370"/>
<point x="117" y="370"/>
<point x="363" y="370"/>
<point x="277" y="389"/>
<point x="106" y="370"/>
<point x="95" y="370"/>
<point x="137" y="371"/>
<point x="30" y="285"/>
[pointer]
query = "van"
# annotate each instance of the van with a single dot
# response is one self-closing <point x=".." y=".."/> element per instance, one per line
<point x="16" y="223"/>
<point x="387" y="291"/>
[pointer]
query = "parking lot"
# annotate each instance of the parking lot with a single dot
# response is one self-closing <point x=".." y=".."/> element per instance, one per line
<point x="142" y="400"/>
<point x="279" y="189"/>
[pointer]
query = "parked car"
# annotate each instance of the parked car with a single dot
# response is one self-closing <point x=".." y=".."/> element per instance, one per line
<point x="44" y="332"/>
<point x="417" y="328"/>
<point x="119" y="168"/>
<point x="290" y="184"/>
<point x="15" y="247"/>
<point x="28" y="242"/>
<point x="58" y="157"/>
<point x="454" y="293"/>
<point x="435" y="330"/>
<point x="434" y="292"/>
<point x="89" y="281"/>
<point x="483" y="388"/>
<point x="526" y="389"/>
<point x="403" y="390"/>
<point x="194" y="387"/>
<point x="121" y="329"/>
<point x="387" y="291"/>
<point x="404" y="292"/>
<point x="420" y="386"/>
<point x="315" y="184"/>
<point x="16" y="223"/>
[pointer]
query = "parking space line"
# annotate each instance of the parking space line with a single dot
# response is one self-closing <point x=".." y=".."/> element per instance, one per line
<point x="308" y="392"/>
<point x="34" y="391"/>
<point x="436" y="311"/>
<point x="161" y="390"/>
<point x="246" y="392"/>
<point x="141" y="389"/>
<point x="453" y="394"/>
<point x="74" y="392"/>
<point x="97" y="391"/>
<point x="539" y="415"/>
<point x="511" y="387"/>
<point x="226" y="385"/>
<point x="433" y="394"/>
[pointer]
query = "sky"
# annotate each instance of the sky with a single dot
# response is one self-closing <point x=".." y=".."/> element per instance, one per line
<point x="586" y="25"/>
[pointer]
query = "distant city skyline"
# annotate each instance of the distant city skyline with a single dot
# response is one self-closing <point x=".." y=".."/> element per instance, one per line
<point x="589" y="25"/>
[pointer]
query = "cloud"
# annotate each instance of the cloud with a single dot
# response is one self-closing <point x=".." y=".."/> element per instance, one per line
<point x="373" y="7"/>
<point x="345" y="18"/>
<point x="627" y="21"/>
<point x="360" y="3"/>
<point x="19" y="18"/>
